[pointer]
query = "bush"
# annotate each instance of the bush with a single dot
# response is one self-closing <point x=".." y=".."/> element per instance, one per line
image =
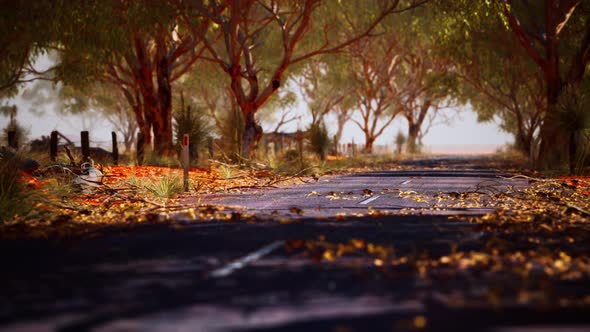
<point x="194" y="122"/>
<point x="15" y="198"/>
<point x="165" y="187"/>
<point x="319" y="141"/>
<point x="574" y="119"/>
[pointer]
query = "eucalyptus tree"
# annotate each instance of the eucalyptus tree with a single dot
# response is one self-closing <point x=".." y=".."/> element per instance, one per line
<point x="205" y="85"/>
<point x="497" y="77"/>
<point x="400" y="73"/>
<point x="29" y="29"/>
<point x="106" y="101"/>
<point x="259" y="44"/>
<point x="140" y="48"/>
<point x="425" y="84"/>
<point x="556" y="35"/>
<point x="502" y="82"/>
<point x="374" y="64"/>
<point x="324" y="84"/>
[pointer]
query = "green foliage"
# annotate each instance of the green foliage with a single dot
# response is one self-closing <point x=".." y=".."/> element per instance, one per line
<point x="164" y="187"/>
<point x="573" y="117"/>
<point x="226" y="171"/>
<point x="195" y="122"/>
<point x="573" y="108"/>
<point x="15" y="198"/>
<point x="291" y="162"/>
<point x="28" y="29"/>
<point x="319" y="140"/>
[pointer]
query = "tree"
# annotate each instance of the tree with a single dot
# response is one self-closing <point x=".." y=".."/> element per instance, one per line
<point x="256" y="42"/>
<point x="427" y="86"/>
<point x="29" y="30"/>
<point x="556" y="36"/>
<point x="325" y="86"/>
<point x="373" y="67"/>
<point x="425" y="79"/>
<point x="502" y="81"/>
<point x="499" y="80"/>
<point x="210" y="91"/>
<point x="151" y="50"/>
<point x="106" y="101"/>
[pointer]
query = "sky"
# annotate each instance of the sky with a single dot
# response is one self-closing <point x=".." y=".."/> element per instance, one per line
<point x="461" y="134"/>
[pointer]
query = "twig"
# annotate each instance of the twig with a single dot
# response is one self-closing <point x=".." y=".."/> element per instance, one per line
<point x="579" y="209"/>
<point x="520" y="176"/>
<point x="254" y="186"/>
<point x="296" y="175"/>
<point x="69" y="153"/>
<point x="223" y="164"/>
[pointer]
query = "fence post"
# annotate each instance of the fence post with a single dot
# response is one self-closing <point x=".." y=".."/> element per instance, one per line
<point x="12" y="139"/>
<point x="185" y="159"/>
<point x="115" y="152"/>
<point x="85" y="138"/>
<point x="53" y="146"/>
<point x="300" y="147"/>
<point x="140" y="148"/>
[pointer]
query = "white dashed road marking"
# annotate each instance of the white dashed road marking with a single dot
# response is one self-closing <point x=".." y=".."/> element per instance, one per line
<point x="369" y="200"/>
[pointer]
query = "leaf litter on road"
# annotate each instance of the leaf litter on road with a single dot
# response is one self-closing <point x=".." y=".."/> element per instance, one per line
<point x="534" y="245"/>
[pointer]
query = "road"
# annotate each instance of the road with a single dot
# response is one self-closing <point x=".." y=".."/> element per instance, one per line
<point x="390" y="191"/>
<point x="312" y="259"/>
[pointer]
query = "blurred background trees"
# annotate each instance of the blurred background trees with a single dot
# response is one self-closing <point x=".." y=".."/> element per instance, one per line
<point x="522" y="64"/>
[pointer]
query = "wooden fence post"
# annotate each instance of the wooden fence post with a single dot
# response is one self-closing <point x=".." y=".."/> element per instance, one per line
<point x="85" y="138"/>
<point x="115" y="151"/>
<point x="300" y="147"/>
<point x="53" y="146"/>
<point x="185" y="159"/>
<point x="12" y="139"/>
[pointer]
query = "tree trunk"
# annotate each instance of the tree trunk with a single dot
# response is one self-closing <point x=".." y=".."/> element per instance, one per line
<point x="338" y="135"/>
<point x="252" y="134"/>
<point x="369" y="141"/>
<point x="162" y="136"/>
<point x="553" y="151"/>
<point x="163" y="117"/>
<point x="411" y="143"/>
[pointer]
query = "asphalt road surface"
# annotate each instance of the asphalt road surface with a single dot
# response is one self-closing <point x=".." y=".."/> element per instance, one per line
<point x="389" y="191"/>
<point x="254" y="276"/>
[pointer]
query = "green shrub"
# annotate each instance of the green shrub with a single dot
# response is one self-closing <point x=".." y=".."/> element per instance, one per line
<point x="164" y="187"/>
<point x="573" y="118"/>
<point x="400" y="140"/>
<point x="195" y="122"/>
<point x="15" y="198"/>
<point x="319" y="140"/>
